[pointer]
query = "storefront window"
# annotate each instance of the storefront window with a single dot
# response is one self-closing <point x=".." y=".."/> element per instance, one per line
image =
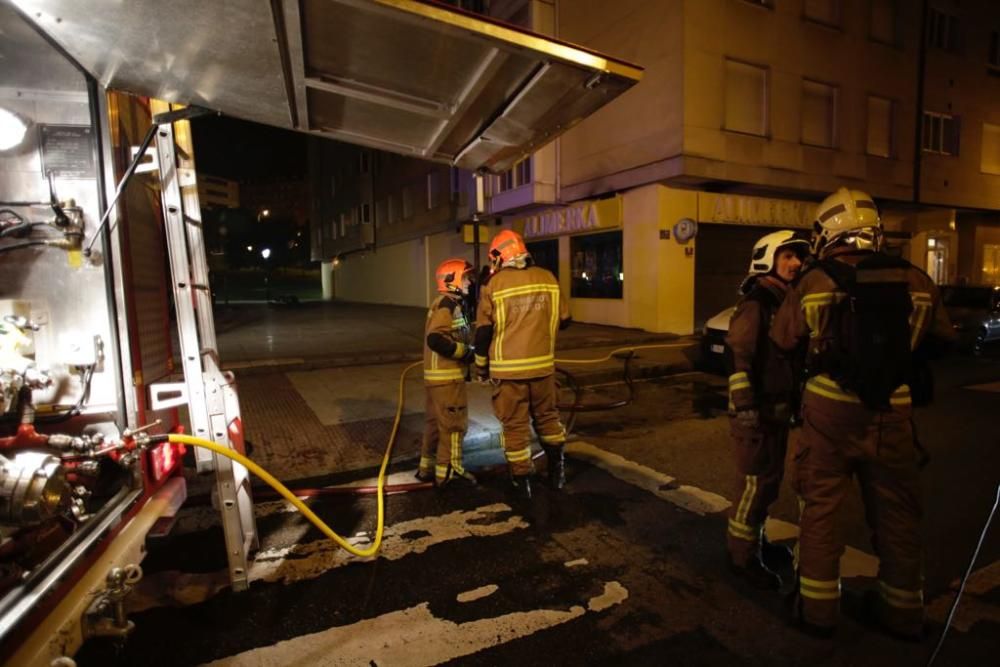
<point x="546" y="255"/>
<point x="598" y="271"/>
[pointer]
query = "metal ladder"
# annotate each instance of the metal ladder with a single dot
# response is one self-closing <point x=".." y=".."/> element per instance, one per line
<point x="209" y="392"/>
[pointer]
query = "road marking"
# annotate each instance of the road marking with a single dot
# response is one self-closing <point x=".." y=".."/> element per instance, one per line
<point x="414" y="637"/>
<point x="477" y="593"/>
<point x="662" y="486"/>
<point x="974" y="607"/>
<point x="853" y="563"/>
<point x="301" y="562"/>
<point x="576" y="563"/>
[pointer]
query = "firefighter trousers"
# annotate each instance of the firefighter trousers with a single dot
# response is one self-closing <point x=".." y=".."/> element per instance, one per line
<point x="760" y="459"/>
<point x="446" y="421"/>
<point x="520" y="403"/>
<point x="839" y="441"/>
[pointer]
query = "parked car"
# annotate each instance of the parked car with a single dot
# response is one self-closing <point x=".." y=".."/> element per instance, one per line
<point x="974" y="311"/>
<point x="713" y="352"/>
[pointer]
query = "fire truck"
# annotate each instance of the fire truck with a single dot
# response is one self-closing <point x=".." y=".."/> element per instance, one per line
<point x="106" y="333"/>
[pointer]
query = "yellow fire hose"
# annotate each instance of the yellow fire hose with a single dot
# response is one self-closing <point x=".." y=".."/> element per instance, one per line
<point x="290" y="496"/>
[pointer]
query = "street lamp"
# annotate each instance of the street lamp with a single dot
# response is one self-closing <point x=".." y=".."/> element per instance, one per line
<point x="266" y="253"/>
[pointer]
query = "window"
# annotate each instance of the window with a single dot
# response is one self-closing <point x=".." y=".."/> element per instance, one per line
<point x="879" y="127"/>
<point x="994" y="55"/>
<point x="515" y="177"/>
<point x="882" y="21"/>
<point x="546" y="254"/>
<point x="597" y="266"/>
<point x="819" y="109"/>
<point x="454" y="183"/>
<point x="990" y="161"/>
<point x="942" y="30"/>
<point x="746" y="98"/>
<point x="433" y="189"/>
<point x="826" y="12"/>
<point x="343" y="224"/>
<point x="366" y="213"/>
<point x="940" y="134"/>
<point x="407" y="202"/>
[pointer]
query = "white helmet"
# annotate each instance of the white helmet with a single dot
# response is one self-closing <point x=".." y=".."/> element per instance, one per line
<point x="765" y="250"/>
<point x="847" y="217"/>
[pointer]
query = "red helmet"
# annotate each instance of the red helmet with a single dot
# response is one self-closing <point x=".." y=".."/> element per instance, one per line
<point x="505" y="246"/>
<point x="449" y="275"/>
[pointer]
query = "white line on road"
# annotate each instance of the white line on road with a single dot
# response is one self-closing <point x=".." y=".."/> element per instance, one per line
<point x="477" y="593"/>
<point x="974" y="606"/>
<point x="300" y="562"/>
<point x="415" y="637"/>
<point x="662" y="486"/>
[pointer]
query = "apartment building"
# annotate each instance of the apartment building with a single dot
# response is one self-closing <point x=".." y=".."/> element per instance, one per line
<point x="218" y="192"/>
<point x="749" y="112"/>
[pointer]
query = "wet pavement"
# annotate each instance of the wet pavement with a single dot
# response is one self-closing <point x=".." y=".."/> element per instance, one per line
<point x="625" y="567"/>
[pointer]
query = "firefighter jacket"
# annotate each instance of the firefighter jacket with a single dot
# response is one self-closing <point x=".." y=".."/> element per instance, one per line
<point x="447" y="341"/>
<point x="807" y="313"/>
<point x="520" y="311"/>
<point x="761" y="376"/>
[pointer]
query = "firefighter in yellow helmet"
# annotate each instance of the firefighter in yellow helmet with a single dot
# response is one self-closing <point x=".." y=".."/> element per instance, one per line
<point x="447" y="354"/>
<point x="760" y="398"/>
<point x="520" y="311"/>
<point x="861" y="314"/>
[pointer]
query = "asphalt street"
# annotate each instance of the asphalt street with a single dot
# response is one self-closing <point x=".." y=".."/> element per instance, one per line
<point x="627" y="566"/>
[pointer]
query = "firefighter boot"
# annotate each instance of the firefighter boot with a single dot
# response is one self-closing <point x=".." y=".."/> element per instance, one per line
<point x="757" y="574"/>
<point x="557" y="466"/>
<point x="522" y="486"/>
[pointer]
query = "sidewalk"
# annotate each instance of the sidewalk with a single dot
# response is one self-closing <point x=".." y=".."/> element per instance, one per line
<point x="257" y="338"/>
<point x="318" y="383"/>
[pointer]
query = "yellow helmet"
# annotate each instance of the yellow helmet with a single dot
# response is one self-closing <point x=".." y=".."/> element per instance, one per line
<point x="847" y="217"/>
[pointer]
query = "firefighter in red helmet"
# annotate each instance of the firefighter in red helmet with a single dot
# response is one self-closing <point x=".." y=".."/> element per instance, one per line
<point x="520" y="312"/>
<point x="447" y="354"/>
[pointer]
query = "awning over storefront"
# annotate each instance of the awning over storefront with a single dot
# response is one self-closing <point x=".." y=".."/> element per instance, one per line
<point x="409" y="77"/>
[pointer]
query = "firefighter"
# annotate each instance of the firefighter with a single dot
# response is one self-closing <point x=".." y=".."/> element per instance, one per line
<point x="861" y="313"/>
<point x="447" y="355"/>
<point x="520" y="310"/>
<point x="760" y="392"/>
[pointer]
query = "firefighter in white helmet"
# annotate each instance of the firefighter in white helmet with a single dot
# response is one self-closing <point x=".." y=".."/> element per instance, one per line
<point x="861" y="314"/>
<point x="760" y="395"/>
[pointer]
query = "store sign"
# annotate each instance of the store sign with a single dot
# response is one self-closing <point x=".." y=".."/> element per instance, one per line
<point x="581" y="217"/>
<point x="756" y="211"/>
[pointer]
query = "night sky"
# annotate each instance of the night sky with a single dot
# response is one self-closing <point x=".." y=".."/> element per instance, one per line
<point x="245" y="151"/>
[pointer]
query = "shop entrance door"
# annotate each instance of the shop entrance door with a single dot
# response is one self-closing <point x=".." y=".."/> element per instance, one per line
<point x="991" y="264"/>
<point x="937" y="259"/>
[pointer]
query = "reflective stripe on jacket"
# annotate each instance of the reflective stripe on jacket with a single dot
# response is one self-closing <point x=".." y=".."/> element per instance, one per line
<point x="807" y="314"/>
<point x="525" y="308"/>
<point x="446" y="317"/>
